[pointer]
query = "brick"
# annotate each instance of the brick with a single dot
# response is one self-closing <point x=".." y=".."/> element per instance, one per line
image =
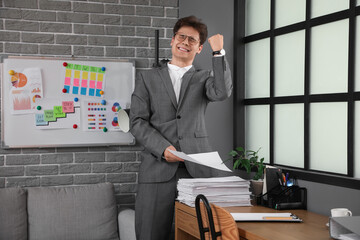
<point x="146" y="52"/>
<point x="88" y="29"/>
<point x="105" y="1"/>
<point x="150" y="11"/>
<point x="11" y="171"/>
<point x="55" y="49"/>
<point x="125" y="198"/>
<point x="72" y="17"/>
<point x="103" y="41"/>
<point x="107" y="168"/>
<point x="172" y="12"/>
<point x="88" y="51"/>
<point x="41" y="170"/>
<point x="72" y="149"/>
<point x="38" y="15"/>
<point x="20" y="3"/>
<point x="56" y="27"/>
<point x="75" y="168"/>
<point x="89" y="157"/>
<point x="164" y="22"/>
<point x="2" y="182"/>
<point x="165" y="3"/>
<point x="119" y="52"/>
<point x="169" y="33"/>
<point x="163" y="43"/>
<point x="148" y="32"/>
<point x="136" y="2"/>
<point x="23" y="182"/>
<point x="37" y="38"/>
<point x="57" y="158"/>
<point x="89" y="179"/>
<point x="121" y="157"/>
<point x="121" y="178"/>
<point x="21" y="25"/>
<point x="88" y="7"/>
<point x="104" y="148"/>
<point x="56" y="180"/>
<point x="55" y="5"/>
<point x="134" y="42"/>
<point x="104" y="19"/>
<point x="120" y="31"/>
<point x="22" y="159"/>
<point x="2" y="160"/>
<point x="127" y="188"/>
<point x="1" y="47"/>
<point x="10" y="13"/>
<point x="119" y="9"/>
<point x="71" y="39"/>
<point x="9" y="36"/>
<point x="136" y="21"/>
<point x="131" y="167"/>
<point x="10" y="150"/>
<point x="36" y="150"/>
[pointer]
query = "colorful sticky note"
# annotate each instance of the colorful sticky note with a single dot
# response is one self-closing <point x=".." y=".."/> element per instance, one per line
<point x="84" y="83"/>
<point x="49" y="116"/>
<point x="93" y="69"/>
<point x="99" y="85"/>
<point x="85" y="68"/>
<point x="76" y="82"/>
<point x="68" y="106"/>
<point x="100" y="77"/>
<point x="77" y="74"/>
<point x="68" y="73"/>
<point x="58" y="112"/>
<point x="67" y="88"/>
<point x="70" y="66"/>
<point x="39" y="120"/>
<point x="92" y="76"/>
<point x="77" y="67"/>
<point x="91" y="91"/>
<point x="83" y="91"/>
<point x="92" y="84"/>
<point x="75" y="90"/>
<point x="67" y="81"/>
<point x="85" y="75"/>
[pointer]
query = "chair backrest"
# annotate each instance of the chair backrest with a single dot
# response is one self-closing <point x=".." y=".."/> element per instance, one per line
<point x="214" y="222"/>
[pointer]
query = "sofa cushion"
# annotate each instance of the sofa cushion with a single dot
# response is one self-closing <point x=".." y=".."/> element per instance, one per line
<point x="13" y="215"/>
<point x="65" y="213"/>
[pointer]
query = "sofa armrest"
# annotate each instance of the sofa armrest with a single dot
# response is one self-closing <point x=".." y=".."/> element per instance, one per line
<point x="126" y="220"/>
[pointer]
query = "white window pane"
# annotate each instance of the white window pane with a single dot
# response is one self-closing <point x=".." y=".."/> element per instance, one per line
<point x="289" y="135"/>
<point x="357" y="140"/>
<point x="323" y="7"/>
<point x="329" y="57"/>
<point x="257" y="16"/>
<point x="289" y="12"/>
<point x="289" y="64"/>
<point x="328" y="137"/>
<point x="357" y="55"/>
<point x="257" y="130"/>
<point x="257" y="69"/>
<point x="357" y="2"/>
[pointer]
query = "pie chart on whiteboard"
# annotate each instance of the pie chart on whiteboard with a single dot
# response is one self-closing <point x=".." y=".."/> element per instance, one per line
<point x="18" y="80"/>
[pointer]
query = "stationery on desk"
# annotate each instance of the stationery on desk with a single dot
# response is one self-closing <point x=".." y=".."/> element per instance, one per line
<point x="267" y="217"/>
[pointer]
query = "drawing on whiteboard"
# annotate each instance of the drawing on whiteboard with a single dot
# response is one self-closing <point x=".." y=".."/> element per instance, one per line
<point x="55" y="114"/>
<point x="26" y="87"/>
<point x="84" y="80"/>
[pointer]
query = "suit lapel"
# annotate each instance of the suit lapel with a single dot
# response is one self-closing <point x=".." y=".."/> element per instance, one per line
<point x="185" y="83"/>
<point x="165" y="76"/>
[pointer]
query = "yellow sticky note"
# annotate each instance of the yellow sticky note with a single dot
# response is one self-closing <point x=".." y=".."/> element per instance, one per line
<point x="92" y="76"/>
<point x="77" y="74"/>
<point x="85" y="75"/>
<point x="100" y="77"/>
<point x="68" y="73"/>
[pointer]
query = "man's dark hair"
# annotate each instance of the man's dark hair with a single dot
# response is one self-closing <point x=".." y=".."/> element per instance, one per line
<point x="194" y="22"/>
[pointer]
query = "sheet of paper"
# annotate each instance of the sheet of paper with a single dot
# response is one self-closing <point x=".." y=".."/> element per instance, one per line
<point x="209" y="159"/>
<point x="288" y="217"/>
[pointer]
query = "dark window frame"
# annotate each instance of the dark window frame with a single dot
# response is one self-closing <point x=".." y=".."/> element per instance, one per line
<point x="343" y="180"/>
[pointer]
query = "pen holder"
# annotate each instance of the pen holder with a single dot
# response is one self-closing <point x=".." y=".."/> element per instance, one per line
<point x="281" y="197"/>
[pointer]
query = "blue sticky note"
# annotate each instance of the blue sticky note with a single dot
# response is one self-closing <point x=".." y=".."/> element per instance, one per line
<point x="39" y="120"/>
<point x="67" y="88"/>
<point x="91" y="91"/>
<point x="83" y="91"/>
<point x="98" y="92"/>
<point x="75" y="90"/>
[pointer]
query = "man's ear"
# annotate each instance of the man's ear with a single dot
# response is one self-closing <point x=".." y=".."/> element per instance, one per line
<point x="172" y="41"/>
<point x="200" y="48"/>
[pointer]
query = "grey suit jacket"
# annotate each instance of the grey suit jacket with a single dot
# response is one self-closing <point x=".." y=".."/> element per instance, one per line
<point x="158" y="121"/>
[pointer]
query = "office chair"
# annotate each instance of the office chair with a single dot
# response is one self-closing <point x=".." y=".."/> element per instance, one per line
<point x="214" y="221"/>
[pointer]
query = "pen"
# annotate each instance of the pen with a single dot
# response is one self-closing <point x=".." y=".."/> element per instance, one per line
<point x="277" y="218"/>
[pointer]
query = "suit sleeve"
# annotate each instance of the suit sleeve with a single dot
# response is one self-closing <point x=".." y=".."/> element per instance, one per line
<point x="140" y="126"/>
<point x="219" y="85"/>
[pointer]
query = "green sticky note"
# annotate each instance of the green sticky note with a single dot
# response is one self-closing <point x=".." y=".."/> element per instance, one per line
<point x="70" y="66"/>
<point x="77" y="67"/>
<point x="93" y="69"/>
<point x="85" y="68"/>
<point x="49" y="116"/>
<point x="58" y="112"/>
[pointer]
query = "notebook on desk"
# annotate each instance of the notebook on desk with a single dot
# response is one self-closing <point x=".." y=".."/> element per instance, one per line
<point x="265" y="217"/>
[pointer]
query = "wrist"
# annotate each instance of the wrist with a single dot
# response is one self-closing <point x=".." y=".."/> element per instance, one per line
<point x="219" y="53"/>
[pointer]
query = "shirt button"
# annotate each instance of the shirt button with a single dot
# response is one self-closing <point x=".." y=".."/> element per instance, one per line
<point x="178" y="117"/>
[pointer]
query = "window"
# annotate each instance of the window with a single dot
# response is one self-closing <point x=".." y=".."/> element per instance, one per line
<point x="298" y="86"/>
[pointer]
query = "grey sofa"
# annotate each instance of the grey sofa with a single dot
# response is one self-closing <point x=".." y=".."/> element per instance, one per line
<point x="87" y="212"/>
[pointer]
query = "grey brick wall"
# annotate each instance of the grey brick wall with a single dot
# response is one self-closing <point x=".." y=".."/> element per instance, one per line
<point x="91" y="29"/>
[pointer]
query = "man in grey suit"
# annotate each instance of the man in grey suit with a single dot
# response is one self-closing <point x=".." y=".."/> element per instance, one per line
<point x="168" y="113"/>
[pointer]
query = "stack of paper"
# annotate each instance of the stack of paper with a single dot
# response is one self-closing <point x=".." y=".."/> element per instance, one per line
<point x="221" y="191"/>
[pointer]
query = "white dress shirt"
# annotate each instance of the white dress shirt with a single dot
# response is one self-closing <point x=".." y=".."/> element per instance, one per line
<point x="176" y="74"/>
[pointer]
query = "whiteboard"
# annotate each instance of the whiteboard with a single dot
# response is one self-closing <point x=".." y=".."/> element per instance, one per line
<point x="21" y="130"/>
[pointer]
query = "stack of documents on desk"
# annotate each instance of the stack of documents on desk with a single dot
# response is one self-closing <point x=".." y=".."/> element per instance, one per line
<point x="221" y="191"/>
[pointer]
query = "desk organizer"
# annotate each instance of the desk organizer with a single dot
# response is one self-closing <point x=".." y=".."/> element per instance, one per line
<point x="281" y="197"/>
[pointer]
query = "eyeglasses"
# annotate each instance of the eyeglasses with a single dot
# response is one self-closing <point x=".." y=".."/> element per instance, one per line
<point x="181" y="37"/>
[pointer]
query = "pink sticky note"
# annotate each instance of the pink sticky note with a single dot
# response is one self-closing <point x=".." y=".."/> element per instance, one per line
<point x="84" y="83"/>
<point x="92" y="84"/>
<point x="67" y="81"/>
<point x="68" y="106"/>
<point x="76" y="82"/>
<point x="99" y="85"/>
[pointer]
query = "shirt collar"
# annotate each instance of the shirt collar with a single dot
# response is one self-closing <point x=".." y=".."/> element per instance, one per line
<point x="177" y="68"/>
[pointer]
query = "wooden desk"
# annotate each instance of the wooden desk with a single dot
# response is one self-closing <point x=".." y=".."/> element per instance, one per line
<point x="312" y="228"/>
